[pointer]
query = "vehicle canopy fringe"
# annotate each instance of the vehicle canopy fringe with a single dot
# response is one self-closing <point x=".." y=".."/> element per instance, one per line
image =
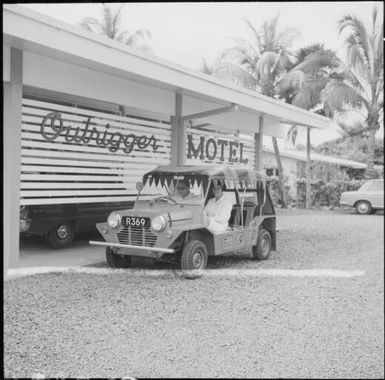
<point x="226" y="175"/>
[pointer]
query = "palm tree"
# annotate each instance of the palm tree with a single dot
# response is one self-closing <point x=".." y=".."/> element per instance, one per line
<point x="363" y="85"/>
<point x="259" y="64"/>
<point x="354" y="84"/>
<point x="109" y="25"/>
<point x="303" y="85"/>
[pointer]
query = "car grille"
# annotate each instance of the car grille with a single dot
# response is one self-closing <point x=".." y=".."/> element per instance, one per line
<point x="141" y="236"/>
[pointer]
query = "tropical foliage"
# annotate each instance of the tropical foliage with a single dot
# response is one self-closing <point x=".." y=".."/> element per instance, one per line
<point x="258" y="64"/>
<point x="109" y="24"/>
<point x="303" y="85"/>
<point x="361" y="84"/>
<point x="325" y="193"/>
<point x="354" y="148"/>
<point x="206" y="68"/>
<point x="324" y="82"/>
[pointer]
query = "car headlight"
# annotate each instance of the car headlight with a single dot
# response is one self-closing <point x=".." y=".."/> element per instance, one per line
<point x="158" y="223"/>
<point x="114" y="220"/>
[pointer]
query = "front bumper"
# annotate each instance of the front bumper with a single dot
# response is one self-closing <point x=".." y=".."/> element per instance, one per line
<point x="127" y="246"/>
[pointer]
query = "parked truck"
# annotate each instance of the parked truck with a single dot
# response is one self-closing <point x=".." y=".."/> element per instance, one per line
<point x="59" y="223"/>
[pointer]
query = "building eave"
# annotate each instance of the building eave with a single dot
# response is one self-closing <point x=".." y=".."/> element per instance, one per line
<point x="34" y="32"/>
<point x="301" y="156"/>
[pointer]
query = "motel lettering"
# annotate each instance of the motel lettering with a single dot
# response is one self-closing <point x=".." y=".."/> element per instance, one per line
<point x="212" y="148"/>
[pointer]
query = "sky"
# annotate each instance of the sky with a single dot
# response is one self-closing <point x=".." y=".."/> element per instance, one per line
<point x="186" y="32"/>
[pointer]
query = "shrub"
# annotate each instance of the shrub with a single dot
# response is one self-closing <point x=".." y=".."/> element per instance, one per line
<point x="325" y="193"/>
<point x="327" y="182"/>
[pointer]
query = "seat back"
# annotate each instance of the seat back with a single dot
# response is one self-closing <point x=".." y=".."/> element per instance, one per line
<point x="232" y="216"/>
<point x="248" y="214"/>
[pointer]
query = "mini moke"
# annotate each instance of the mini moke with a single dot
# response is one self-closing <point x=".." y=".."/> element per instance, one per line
<point x="165" y="229"/>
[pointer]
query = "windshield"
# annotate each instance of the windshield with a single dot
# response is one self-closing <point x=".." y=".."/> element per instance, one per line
<point x="175" y="193"/>
<point x="372" y="186"/>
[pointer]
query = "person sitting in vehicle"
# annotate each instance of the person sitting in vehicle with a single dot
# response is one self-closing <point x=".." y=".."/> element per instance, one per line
<point x="217" y="212"/>
<point x="183" y="193"/>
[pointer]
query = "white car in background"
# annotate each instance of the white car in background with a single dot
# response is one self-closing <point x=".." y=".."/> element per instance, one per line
<point x="367" y="199"/>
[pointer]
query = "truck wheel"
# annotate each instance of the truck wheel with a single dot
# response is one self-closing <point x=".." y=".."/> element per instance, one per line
<point x="261" y="251"/>
<point x="115" y="260"/>
<point x="194" y="258"/>
<point x="61" y="236"/>
<point x="363" y="207"/>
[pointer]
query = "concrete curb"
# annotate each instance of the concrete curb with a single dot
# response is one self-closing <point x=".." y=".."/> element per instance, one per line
<point x="22" y="272"/>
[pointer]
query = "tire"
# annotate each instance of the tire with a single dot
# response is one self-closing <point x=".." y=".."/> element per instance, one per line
<point x="363" y="207"/>
<point x="262" y="250"/>
<point x="61" y="236"/>
<point x="115" y="260"/>
<point x="194" y="259"/>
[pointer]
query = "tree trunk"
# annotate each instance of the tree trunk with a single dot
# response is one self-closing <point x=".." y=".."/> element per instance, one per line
<point x="281" y="180"/>
<point x="308" y="190"/>
<point x="370" y="173"/>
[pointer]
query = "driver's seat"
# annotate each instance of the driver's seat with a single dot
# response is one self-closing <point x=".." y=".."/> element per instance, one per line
<point x="232" y="216"/>
<point x="248" y="214"/>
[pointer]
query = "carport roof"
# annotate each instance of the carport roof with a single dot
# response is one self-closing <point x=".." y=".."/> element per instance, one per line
<point x="31" y="31"/>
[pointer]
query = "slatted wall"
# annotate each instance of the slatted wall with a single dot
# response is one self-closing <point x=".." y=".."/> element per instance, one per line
<point x="247" y="141"/>
<point x="61" y="171"/>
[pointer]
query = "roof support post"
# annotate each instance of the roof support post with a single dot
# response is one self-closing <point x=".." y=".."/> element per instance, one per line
<point x="258" y="140"/>
<point x="178" y="129"/>
<point x="308" y="190"/>
<point x="13" y="93"/>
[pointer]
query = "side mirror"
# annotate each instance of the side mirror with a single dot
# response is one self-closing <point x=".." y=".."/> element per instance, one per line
<point x="139" y="186"/>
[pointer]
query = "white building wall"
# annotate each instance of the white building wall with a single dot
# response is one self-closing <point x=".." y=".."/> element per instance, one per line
<point x="289" y="166"/>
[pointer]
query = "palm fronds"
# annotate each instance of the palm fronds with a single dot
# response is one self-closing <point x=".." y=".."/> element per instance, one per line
<point x="235" y="74"/>
<point x="292" y="81"/>
<point x="206" y="68"/>
<point x="109" y="24"/>
<point x="359" y="49"/>
<point x="89" y="23"/>
<point x="310" y="94"/>
<point x="339" y="95"/>
<point x="139" y="35"/>
<point x="339" y="86"/>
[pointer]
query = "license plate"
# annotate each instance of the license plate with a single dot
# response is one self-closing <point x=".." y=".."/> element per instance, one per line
<point x="135" y="221"/>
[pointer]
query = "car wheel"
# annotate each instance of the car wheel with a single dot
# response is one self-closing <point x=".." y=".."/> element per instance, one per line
<point x="363" y="207"/>
<point x="261" y="251"/>
<point x="61" y="236"/>
<point x="115" y="260"/>
<point x="194" y="259"/>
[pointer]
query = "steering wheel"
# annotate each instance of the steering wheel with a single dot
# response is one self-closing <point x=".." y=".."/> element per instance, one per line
<point x="167" y="199"/>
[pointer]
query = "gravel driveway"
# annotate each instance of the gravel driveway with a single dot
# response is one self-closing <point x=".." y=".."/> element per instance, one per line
<point x="116" y="325"/>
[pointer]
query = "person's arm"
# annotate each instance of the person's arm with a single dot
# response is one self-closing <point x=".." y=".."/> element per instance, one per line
<point x="193" y="197"/>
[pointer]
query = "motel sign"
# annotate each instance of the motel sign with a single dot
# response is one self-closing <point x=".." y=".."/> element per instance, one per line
<point x="212" y="148"/>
